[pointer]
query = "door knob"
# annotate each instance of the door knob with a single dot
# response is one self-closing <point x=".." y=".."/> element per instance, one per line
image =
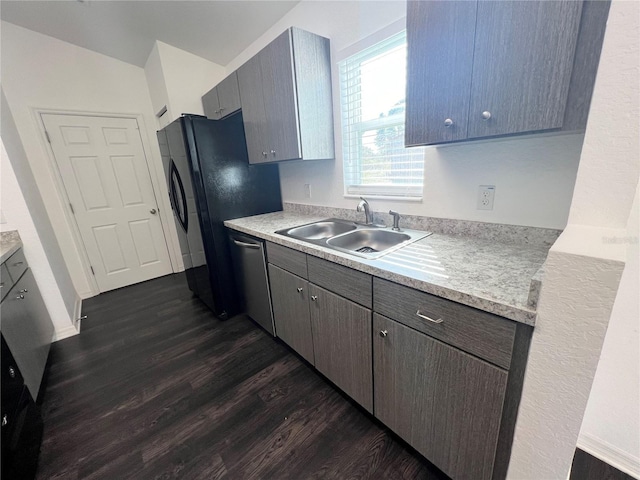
<point x="486" y="115"/>
<point x="448" y="122"/>
<point x="153" y="211"/>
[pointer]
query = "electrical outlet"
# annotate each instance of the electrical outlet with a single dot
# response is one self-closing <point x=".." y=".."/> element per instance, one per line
<point x="307" y="190"/>
<point x="486" y="193"/>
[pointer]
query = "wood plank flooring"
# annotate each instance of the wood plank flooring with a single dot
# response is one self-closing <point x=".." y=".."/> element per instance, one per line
<point x="155" y="388"/>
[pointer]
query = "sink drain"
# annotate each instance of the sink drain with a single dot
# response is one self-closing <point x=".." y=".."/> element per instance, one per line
<point x="367" y="250"/>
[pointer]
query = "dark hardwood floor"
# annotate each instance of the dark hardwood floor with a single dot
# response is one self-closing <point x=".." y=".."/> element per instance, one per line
<point x="155" y="387"/>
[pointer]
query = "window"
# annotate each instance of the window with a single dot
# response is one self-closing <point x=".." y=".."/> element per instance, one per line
<point x="372" y="92"/>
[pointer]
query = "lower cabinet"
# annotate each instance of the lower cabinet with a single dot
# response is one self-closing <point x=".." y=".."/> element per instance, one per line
<point x="445" y="403"/>
<point x="342" y="343"/>
<point x="289" y="297"/>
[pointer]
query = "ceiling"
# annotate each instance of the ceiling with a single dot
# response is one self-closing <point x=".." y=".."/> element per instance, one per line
<point x="126" y="30"/>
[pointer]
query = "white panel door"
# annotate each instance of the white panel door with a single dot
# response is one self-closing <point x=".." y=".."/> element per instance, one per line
<point x="105" y="173"/>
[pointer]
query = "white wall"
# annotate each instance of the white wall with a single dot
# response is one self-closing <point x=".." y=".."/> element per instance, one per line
<point x="41" y="72"/>
<point x="178" y="79"/>
<point x="583" y="280"/>
<point x="533" y="175"/>
<point x="18" y="217"/>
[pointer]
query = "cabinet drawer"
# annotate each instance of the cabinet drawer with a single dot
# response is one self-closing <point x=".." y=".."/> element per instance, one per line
<point x="16" y="265"/>
<point x="288" y="259"/>
<point x="480" y="333"/>
<point x="5" y="280"/>
<point x="344" y="281"/>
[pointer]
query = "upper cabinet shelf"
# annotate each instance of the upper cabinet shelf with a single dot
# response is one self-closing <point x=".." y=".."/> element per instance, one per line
<point x="285" y="93"/>
<point x="490" y="68"/>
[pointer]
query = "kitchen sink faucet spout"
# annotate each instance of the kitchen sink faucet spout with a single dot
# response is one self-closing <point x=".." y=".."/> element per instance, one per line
<point x="364" y="206"/>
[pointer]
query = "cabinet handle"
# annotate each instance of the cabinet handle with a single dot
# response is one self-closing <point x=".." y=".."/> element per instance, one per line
<point x="245" y="245"/>
<point x="221" y="109"/>
<point x="17" y="264"/>
<point x="12" y="372"/>
<point x="264" y="154"/>
<point x="448" y="122"/>
<point x="383" y="333"/>
<point x="486" y="115"/>
<point x="217" y="112"/>
<point x="24" y="290"/>
<point x="299" y="289"/>
<point x="20" y="297"/>
<point x="273" y="152"/>
<point x="5" y="420"/>
<point x="314" y="298"/>
<point x="439" y="320"/>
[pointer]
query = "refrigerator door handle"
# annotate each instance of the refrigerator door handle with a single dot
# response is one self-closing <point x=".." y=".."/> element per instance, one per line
<point x="183" y="216"/>
<point x="246" y="245"/>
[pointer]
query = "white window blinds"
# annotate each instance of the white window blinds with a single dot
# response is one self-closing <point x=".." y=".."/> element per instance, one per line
<point x="372" y="92"/>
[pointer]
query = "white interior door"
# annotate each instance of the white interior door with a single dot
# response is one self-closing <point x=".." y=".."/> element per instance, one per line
<point x="105" y="173"/>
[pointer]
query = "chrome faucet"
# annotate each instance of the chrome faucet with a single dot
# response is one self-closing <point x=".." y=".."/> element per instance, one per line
<point x="396" y="220"/>
<point x="364" y="206"/>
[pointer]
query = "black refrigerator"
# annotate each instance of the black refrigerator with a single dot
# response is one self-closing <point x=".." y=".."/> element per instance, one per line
<point x="210" y="180"/>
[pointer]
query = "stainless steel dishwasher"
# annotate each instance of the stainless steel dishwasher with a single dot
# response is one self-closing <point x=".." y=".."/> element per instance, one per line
<point x="250" y="269"/>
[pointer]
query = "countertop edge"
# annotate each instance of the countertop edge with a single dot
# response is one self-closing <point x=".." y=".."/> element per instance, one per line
<point x="520" y="315"/>
<point x="12" y="246"/>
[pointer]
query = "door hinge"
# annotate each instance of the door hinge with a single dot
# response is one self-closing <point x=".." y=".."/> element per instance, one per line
<point x="46" y="134"/>
<point x="72" y="210"/>
<point x="92" y="271"/>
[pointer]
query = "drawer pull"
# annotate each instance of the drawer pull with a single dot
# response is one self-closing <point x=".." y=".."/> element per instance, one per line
<point x="299" y="289"/>
<point x="20" y="297"/>
<point x="5" y="420"/>
<point x="314" y="298"/>
<point x="383" y="333"/>
<point x="17" y="264"/>
<point x="439" y="320"/>
<point x="12" y="372"/>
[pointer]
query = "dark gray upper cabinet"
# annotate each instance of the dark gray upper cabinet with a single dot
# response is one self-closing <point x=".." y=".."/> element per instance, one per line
<point x="223" y="99"/>
<point x="489" y="68"/>
<point x="445" y="403"/>
<point x="285" y="92"/>
<point x="440" y="37"/>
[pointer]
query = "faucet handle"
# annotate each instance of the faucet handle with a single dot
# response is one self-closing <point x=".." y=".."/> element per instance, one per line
<point x="396" y="220"/>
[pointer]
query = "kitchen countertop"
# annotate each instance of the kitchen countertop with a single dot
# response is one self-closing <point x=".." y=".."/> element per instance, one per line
<point x="490" y="276"/>
<point x="9" y="243"/>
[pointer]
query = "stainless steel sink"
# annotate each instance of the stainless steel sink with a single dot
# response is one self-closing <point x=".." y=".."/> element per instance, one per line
<point x="320" y="230"/>
<point x="365" y="241"/>
<point x="368" y="241"/>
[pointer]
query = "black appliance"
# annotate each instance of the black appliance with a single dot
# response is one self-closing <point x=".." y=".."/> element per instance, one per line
<point x="210" y="180"/>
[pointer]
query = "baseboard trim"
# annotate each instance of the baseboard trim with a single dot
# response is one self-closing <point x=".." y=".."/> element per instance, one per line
<point x="65" y="332"/>
<point x="610" y="454"/>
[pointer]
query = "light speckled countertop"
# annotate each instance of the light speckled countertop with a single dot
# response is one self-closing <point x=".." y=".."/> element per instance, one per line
<point x="9" y="243"/>
<point x="490" y="276"/>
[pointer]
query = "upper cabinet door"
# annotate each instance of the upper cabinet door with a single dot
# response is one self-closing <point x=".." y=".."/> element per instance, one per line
<point x="522" y="66"/>
<point x="253" y="110"/>
<point x="280" y="99"/>
<point x="210" y="104"/>
<point x="440" y="38"/>
<point x="229" y="95"/>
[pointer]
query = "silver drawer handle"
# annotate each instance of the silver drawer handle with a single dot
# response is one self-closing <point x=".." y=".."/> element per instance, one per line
<point x="428" y="318"/>
<point x="314" y="298"/>
<point x="383" y="333"/>
<point x="24" y="290"/>
<point x="17" y="264"/>
<point x="299" y="289"/>
<point x="246" y="245"/>
<point x="20" y="297"/>
<point x="5" y="420"/>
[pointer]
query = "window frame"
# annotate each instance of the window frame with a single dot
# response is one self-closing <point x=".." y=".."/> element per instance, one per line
<point x="351" y="132"/>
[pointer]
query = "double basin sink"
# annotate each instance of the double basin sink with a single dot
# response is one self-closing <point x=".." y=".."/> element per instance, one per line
<point x="367" y="241"/>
